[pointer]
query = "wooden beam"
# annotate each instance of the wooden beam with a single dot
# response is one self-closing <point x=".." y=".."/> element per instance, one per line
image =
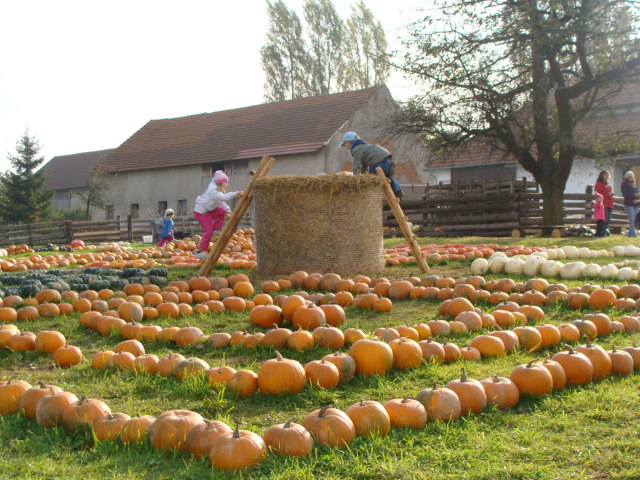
<point x="234" y="219"/>
<point x="402" y="221"/>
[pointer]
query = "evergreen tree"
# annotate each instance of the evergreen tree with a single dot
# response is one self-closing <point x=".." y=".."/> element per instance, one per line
<point x="367" y="60"/>
<point x="283" y="56"/>
<point x="23" y="198"/>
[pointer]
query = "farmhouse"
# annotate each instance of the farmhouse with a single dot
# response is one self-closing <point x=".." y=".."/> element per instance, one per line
<point x="618" y="121"/>
<point x="69" y="177"/>
<point x="167" y="163"/>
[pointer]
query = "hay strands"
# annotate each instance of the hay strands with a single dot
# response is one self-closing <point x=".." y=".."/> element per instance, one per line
<point x="234" y="220"/>
<point x="402" y="222"/>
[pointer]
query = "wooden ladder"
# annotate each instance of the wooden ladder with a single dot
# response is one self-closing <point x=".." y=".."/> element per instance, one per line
<point x="402" y="221"/>
<point x="232" y="223"/>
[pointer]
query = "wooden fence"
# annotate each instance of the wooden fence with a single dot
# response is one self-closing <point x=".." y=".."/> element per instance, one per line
<point x="499" y="207"/>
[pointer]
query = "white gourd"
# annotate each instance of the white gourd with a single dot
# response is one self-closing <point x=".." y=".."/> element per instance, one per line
<point x="572" y="270"/>
<point x="479" y="266"/>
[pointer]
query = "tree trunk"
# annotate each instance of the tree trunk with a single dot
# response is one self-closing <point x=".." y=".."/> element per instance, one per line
<point x="552" y="198"/>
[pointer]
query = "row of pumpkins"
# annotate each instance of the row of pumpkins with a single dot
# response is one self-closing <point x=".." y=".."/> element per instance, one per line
<point x="540" y="263"/>
<point x="233" y="449"/>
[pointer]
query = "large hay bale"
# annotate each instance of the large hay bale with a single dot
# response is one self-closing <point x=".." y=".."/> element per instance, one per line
<point x="326" y="223"/>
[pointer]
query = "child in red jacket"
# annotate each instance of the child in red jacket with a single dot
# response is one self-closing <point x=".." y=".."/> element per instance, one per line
<point x="599" y="215"/>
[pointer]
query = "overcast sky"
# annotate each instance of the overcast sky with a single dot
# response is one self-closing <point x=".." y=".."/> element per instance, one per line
<point x="85" y="75"/>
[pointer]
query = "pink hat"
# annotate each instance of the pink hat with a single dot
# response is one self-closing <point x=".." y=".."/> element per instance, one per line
<point x="220" y="177"/>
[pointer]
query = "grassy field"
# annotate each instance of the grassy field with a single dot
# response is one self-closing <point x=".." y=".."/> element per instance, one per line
<point x="579" y="432"/>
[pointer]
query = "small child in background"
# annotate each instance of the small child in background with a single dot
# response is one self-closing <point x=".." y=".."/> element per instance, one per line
<point x="599" y="215"/>
<point x="211" y="209"/>
<point x="166" y="235"/>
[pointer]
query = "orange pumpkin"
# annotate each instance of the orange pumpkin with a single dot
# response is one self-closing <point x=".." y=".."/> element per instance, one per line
<point x="369" y="418"/>
<point x="440" y="403"/>
<point x="501" y="392"/>
<point x="169" y="430"/>
<point x="50" y="407"/>
<point x="532" y="379"/>
<point x="372" y="357"/>
<point x="330" y="427"/>
<point x="471" y="393"/>
<point x="279" y="376"/>
<point x="236" y="450"/>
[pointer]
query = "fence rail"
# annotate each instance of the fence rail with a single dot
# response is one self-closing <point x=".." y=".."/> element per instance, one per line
<point x="499" y="207"/>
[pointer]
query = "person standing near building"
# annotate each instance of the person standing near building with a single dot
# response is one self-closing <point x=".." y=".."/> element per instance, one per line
<point x="368" y="156"/>
<point x="604" y="188"/>
<point x="630" y="194"/>
<point x="211" y="209"/>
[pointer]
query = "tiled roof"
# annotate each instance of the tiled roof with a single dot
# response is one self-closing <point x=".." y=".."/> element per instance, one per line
<point x="473" y="152"/>
<point x="72" y="171"/>
<point x="290" y="127"/>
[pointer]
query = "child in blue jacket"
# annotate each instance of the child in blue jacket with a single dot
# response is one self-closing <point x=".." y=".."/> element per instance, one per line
<point x="167" y="228"/>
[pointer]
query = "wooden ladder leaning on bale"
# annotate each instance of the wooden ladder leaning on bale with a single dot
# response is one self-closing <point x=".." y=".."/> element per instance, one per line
<point x="232" y="223"/>
<point x="402" y="221"/>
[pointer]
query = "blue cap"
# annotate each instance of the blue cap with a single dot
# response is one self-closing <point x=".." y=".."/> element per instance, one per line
<point x="349" y="137"/>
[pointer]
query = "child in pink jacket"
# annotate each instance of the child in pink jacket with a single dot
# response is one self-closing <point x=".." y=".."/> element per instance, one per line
<point x="599" y="215"/>
<point x="211" y="209"/>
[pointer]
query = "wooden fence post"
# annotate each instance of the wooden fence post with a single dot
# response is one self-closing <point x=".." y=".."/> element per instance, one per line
<point x="588" y="204"/>
<point x="69" y="230"/>
<point x="29" y="232"/>
<point x="129" y="229"/>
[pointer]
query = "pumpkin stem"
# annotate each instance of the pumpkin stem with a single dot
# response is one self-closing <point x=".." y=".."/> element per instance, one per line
<point x="42" y="384"/>
<point x="279" y="356"/>
<point x="463" y="377"/>
<point x="587" y="341"/>
<point x="236" y="432"/>
<point x="530" y="364"/>
<point x="613" y="348"/>
<point x="275" y="326"/>
<point x="569" y="348"/>
<point x="405" y="400"/>
<point x="110" y="416"/>
<point x="323" y="411"/>
<point x="434" y="386"/>
<point x="495" y="378"/>
<point x="287" y="424"/>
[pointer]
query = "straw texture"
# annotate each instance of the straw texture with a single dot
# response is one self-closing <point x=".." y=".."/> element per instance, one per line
<point x="325" y="223"/>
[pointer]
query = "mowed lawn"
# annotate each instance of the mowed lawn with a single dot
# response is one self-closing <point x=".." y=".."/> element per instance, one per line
<point x="579" y="432"/>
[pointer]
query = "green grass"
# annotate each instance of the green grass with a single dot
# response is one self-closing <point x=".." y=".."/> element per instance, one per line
<point x="580" y="432"/>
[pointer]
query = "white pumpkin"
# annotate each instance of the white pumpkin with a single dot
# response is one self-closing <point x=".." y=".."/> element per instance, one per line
<point x="570" y="251"/>
<point x="631" y="251"/>
<point x="592" y="270"/>
<point x="572" y="270"/>
<point x="514" y="266"/>
<point x="609" y="271"/>
<point x="479" y="266"/>
<point x="618" y="250"/>
<point x="542" y="254"/>
<point x="497" y="264"/>
<point x="551" y="253"/>
<point x="560" y="255"/>
<point x="551" y="268"/>
<point x="626" y="274"/>
<point x="497" y="255"/>
<point x="585" y="252"/>
<point x="533" y="265"/>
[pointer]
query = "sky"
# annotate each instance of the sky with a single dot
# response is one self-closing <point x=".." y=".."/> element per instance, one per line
<point x="84" y="75"/>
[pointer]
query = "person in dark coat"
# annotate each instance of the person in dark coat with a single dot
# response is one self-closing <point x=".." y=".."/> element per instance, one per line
<point x="630" y="194"/>
<point x="368" y="156"/>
